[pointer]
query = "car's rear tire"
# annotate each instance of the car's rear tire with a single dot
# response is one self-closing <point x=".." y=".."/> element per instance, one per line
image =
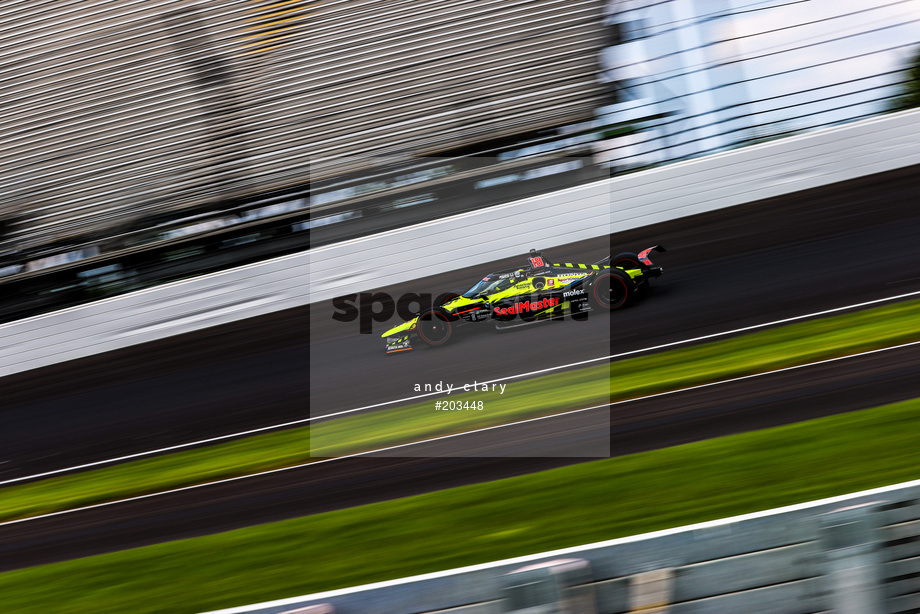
<point x="612" y="289"/>
<point x="434" y="327"/>
<point x="628" y="260"/>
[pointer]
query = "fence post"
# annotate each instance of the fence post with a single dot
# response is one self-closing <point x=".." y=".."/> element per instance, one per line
<point x="850" y="537"/>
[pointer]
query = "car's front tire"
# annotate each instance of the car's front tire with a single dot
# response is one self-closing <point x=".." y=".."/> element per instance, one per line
<point x="434" y="327"/>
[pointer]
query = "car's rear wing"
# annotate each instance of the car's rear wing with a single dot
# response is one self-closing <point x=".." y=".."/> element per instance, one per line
<point x="643" y="255"/>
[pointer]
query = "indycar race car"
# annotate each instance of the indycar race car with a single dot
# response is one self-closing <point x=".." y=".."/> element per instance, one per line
<point x="535" y="292"/>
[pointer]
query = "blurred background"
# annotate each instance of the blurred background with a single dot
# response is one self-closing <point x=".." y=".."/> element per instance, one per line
<point x="147" y="141"/>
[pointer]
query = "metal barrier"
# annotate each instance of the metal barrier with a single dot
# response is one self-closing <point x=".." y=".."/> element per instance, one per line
<point x="140" y="107"/>
<point x="856" y="554"/>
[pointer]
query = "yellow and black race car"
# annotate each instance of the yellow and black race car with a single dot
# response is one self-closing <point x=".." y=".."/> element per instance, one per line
<point x="535" y="292"/>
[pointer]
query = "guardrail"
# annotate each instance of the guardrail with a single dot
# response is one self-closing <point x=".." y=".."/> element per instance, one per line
<point x="597" y="209"/>
<point x="857" y="553"/>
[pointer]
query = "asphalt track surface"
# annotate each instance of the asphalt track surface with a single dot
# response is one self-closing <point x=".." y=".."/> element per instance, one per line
<point x="796" y="254"/>
<point x="634" y="427"/>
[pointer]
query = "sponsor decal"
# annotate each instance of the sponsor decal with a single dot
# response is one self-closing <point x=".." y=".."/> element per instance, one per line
<point x="550" y="283"/>
<point x="526" y="306"/>
<point x="398" y="343"/>
<point x="573" y="293"/>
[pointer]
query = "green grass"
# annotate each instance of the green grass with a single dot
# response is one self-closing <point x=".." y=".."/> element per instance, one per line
<point x="474" y="524"/>
<point x="752" y="353"/>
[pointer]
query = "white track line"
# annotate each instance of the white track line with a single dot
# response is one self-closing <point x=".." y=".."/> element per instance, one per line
<point x="302" y="421"/>
<point x="302" y="465"/>
<point x="443" y="437"/>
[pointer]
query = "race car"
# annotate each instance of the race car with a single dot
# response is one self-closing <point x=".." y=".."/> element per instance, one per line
<point x="533" y="293"/>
